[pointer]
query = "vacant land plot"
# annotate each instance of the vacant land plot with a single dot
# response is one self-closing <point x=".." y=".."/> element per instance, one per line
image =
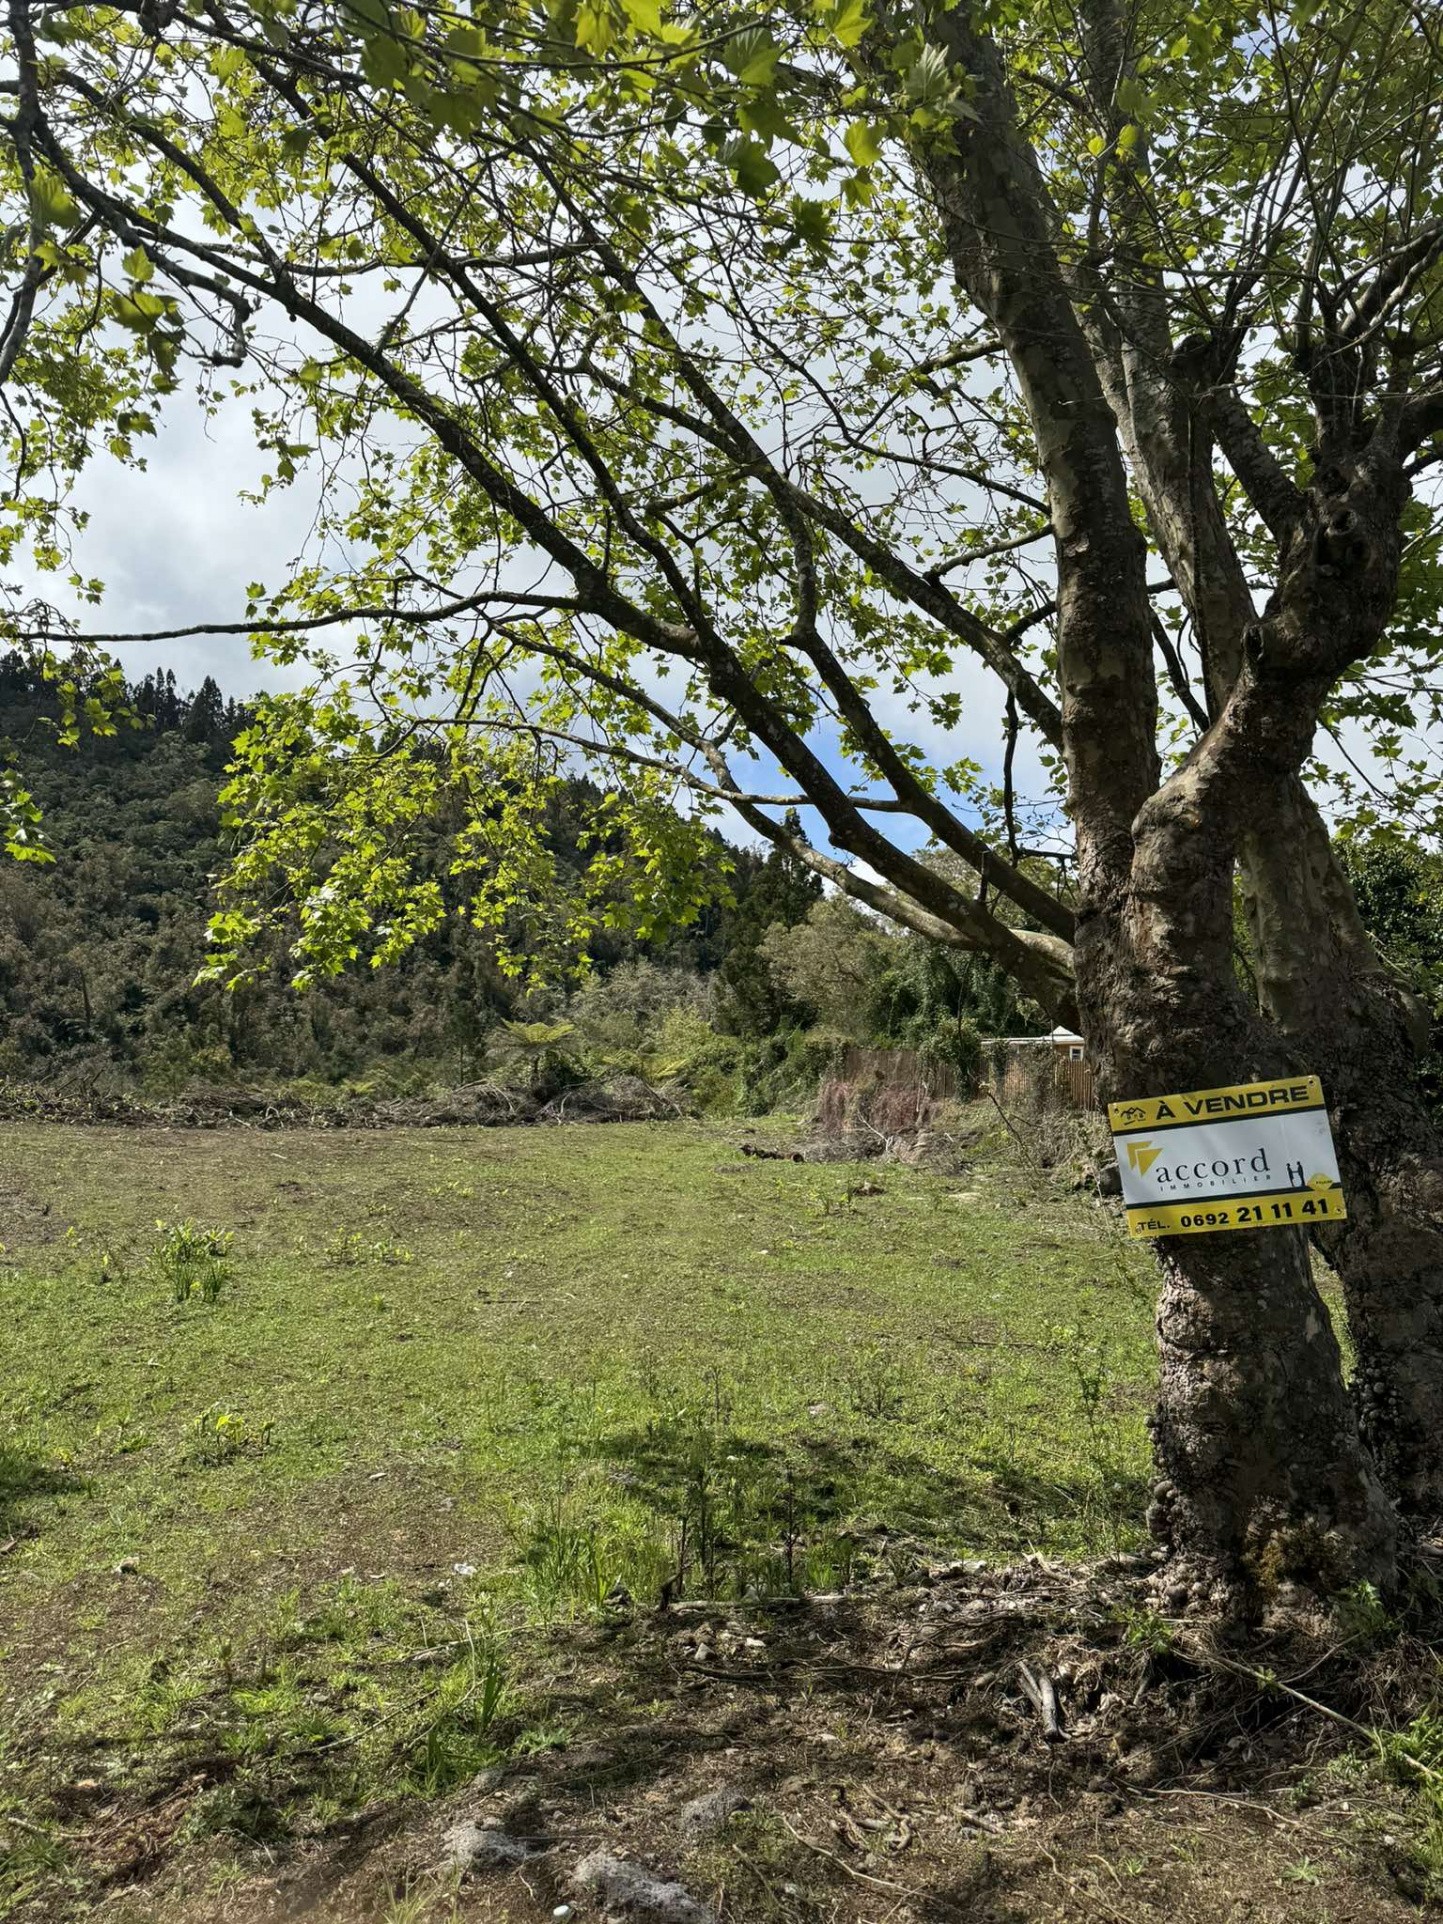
<point x="310" y="1442"/>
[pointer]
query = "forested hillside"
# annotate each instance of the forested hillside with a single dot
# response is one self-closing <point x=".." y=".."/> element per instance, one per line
<point x="100" y="948"/>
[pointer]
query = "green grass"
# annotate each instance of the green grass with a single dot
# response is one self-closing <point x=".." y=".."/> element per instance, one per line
<point x="291" y="1534"/>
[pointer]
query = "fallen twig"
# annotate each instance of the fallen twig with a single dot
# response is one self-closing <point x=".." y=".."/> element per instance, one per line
<point x="1042" y="1694"/>
<point x="866" y="1877"/>
<point x="1236" y="1803"/>
<point x="734" y="1606"/>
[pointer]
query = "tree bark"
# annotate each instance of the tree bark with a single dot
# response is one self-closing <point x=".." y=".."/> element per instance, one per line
<point x="1256" y="1446"/>
<point x="1319" y="977"/>
<point x="1348" y="1021"/>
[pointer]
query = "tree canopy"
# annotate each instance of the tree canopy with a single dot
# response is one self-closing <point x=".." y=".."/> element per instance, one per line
<point x="654" y="422"/>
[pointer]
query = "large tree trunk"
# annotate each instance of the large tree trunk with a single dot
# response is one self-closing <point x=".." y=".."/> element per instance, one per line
<point x="1256" y="1446"/>
<point x="1263" y="1475"/>
<point x="1263" y="1472"/>
<point x="1319" y="977"/>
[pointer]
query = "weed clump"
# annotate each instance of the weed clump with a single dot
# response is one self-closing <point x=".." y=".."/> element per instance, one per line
<point x="347" y="1248"/>
<point x="220" y="1435"/>
<point x="1412" y="1756"/>
<point x="193" y="1260"/>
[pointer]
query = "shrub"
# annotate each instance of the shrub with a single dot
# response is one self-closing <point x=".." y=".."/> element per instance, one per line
<point x="782" y="1071"/>
<point x="690" y="1051"/>
<point x="622" y="1017"/>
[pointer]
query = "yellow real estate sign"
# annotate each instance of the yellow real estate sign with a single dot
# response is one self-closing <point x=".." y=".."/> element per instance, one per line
<point x="1256" y="1156"/>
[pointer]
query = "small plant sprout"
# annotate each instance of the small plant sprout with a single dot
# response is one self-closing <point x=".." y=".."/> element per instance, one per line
<point x="1144" y="1629"/>
<point x="219" y="1435"/>
<point x="193" y="1260"/>
<point x="1305" y="1871"/>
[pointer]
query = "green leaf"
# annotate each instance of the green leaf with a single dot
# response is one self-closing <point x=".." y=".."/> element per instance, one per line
<point x="754" y="171"/>
<point x="460" y="113"/>
<point x="644" y="15"/>
<point x="138" y="264"/>
<point x="862" y="142"/>
<point x="594" y="31"/>
<point x="384" y="61"/>
<point x="138" y="310"/>
<point x="52" y="202"/>
<point x="762" y="114"/>
<point x="752" y="57"/>
<point x="811" y="221"/>
<point x="849" y="23"/>
<point x="374" y="15"/>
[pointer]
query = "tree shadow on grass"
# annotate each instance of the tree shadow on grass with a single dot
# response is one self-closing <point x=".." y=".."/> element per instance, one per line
<point x="809" y="1482"/>
<point x="24" y="1477"/>
<point x="797" y="1510"/>
<point x="1026" y="1507"/>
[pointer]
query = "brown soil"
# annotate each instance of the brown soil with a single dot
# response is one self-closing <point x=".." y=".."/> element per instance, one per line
<point x="896" y="1767"/>
<point x="26" y="1219"/>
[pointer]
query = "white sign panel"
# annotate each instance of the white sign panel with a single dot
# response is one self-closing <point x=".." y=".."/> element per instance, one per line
<point x="1257" y="1156"/>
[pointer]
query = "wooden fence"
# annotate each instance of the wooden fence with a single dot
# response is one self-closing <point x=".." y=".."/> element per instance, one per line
<point x="1033" y="1075"/>
<point x="1079" y="1082"/>
<point x="906" y="1068"/>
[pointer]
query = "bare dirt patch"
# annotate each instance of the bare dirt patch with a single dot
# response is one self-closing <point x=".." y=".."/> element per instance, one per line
<point x="26" y="1217"/>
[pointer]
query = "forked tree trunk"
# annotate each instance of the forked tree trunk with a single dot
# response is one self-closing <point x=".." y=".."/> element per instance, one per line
<point x="1319" y="977"/>
<point x="1263" y="1474"/>
<point x="1321" y="981"/>
<point x="1263" y="1477"/>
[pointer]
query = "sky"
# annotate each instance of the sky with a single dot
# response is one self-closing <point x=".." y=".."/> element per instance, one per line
<point x="175" y="545"/>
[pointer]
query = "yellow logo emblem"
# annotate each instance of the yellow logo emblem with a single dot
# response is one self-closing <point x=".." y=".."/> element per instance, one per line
<point x="1141" y="1156"/>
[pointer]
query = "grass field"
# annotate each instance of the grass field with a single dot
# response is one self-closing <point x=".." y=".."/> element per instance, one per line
<point x="280" y="1502"/>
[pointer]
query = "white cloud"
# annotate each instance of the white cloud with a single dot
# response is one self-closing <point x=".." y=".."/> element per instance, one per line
<point x="176" y="546"/>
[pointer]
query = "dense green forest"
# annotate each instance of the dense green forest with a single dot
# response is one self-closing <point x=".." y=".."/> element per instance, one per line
<point x="100" y="948"/>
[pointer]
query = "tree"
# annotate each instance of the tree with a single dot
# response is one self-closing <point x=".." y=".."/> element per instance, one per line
<point x="831" y="961"/>
<point x="754" y="1000"/>
<point x="205" y="721"/>
<point x="738" y="374"/>
<point x="871" y="983"/>
<point x="538" y="1046"/>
